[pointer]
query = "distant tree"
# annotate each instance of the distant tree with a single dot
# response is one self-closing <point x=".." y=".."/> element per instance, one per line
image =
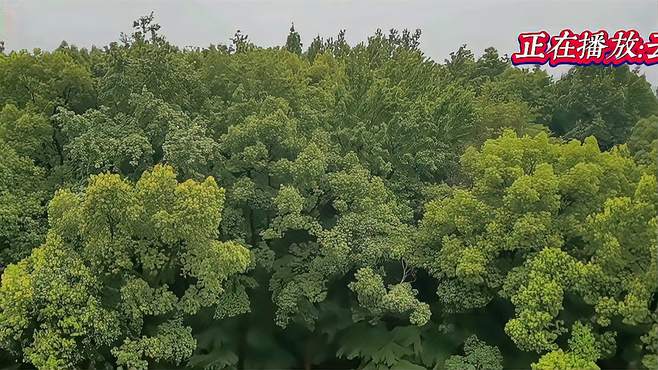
<point x="240" y="42"/>
<point x="602" y="101"/>
<point x="490" y="64"/>
<point x="293" y="42"/>
<point x="145" y="30"/>
<point x="316" y="47"/>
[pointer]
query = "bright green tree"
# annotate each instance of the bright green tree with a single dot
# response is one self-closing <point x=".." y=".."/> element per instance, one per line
<point x="539" y="220"/>
<point x="123" y="266"/>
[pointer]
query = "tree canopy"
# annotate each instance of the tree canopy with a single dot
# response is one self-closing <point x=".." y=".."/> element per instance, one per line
<point x="339" y="206"/>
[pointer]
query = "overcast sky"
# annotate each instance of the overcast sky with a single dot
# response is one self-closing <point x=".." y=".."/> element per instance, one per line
<point x="28" y="24"/>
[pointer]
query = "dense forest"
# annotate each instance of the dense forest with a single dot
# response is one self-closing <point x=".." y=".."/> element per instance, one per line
<point x="332" y="206"/>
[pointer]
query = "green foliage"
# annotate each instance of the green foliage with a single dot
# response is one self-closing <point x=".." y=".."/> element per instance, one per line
<point x="643" y="141"/>
<point x="293" y="42"/>
<point x="44" y="81"/>
<point x="23" y="191"/>
<point x="539" y="221"/>
<point x="378" y="210"/>
<point x="122" y="265"/>
<point x="602" y="101"/>
<point x="477" y="355"/>
<point x="582" y="354"/>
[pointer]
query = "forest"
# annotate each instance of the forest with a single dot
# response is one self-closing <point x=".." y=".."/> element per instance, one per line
<point x="323" y="206"/>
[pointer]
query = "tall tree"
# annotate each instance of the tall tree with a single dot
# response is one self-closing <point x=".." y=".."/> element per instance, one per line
<point x="294" y="41"/>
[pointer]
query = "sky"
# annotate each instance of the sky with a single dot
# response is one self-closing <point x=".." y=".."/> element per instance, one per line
<point x="28" y="24"/>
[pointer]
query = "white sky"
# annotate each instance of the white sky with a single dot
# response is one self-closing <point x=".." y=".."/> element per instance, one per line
<point x="27" y="24"/>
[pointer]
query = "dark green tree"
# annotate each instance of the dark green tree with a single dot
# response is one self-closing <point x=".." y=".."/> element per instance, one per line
<point x="294" y="42"/>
